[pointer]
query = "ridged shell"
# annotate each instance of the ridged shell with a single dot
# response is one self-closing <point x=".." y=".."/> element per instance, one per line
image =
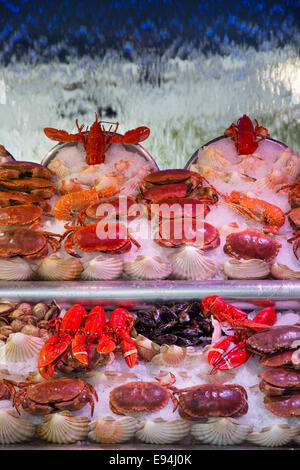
<point x="160" y="431"/>
<point x="16" y="269"/>
<point x="220" y="431"/>
<point x="111" y="430"/>
<point x="108" y="378"/>
<point x="226" y="229"/>
<point x="59" y="168"/>
<point x="13" y="428"/>
<point x="146" y="348"/>
<point x="55" y="268"/>
<point x="147" y="267"/>
<point x="170" y="355"/>
<point x="103" y="268"/>
<point x="274" y="436"/>
<point x="247" y="269"/>
<point x="189" y="262"/>
<point x="64" y="428"/>
<point x="213" y="157"/>
<point x="281" y="271"/>
<point x="20" y="348"/>
<point x="297" y="438"/>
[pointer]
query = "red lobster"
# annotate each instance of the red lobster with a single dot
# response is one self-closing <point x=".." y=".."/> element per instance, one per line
<point x="98" y="140"/>
<point x="245" y="136"/>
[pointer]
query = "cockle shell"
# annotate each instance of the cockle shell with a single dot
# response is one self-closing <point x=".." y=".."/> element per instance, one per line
<point x="247" y="269"/>
<point x="274" y="436"/>
<point x="170" y="355"/>
<point x="281" y="271"/>
<point x="103" y="268"/>
<point x="108" y="378"/>
<point x="56" y="268"/>
<point x="20" y="348"/>
<point x="147" y="267"/>
<point x="16" y="269"/>
<point x="111" y="430"/>
<point x="220" y="431"/>
<point x="146" y="348"/>
<point x="189" y="262"/>
<point x="64" y="428"/>
<point x="59" y="168"/>
<point x="13" y="428"/>
<point x="160" y="431"/>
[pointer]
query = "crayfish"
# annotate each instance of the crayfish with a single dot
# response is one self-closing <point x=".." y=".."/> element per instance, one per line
<point x="245" y="136"/>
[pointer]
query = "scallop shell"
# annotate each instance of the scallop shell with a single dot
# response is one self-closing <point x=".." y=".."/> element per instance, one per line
<point x="111" y="430"/>
<point x="281" y="271"/>
<point x="20" y="348"/>
<point x="16" y="269"/>
<point x="103" y="268"/>
<point x="64" y="428"/>
<point x="13" y="428"/>
<point x="226" y="229"/>
<point x="247" y="269"/>
<point x="108" y="378"/>
<point x="220" y="431"/>
<point x="146" y="348"/>
<point x="170" y="355"/>
<point x="213" y="157"/>
<point x="274" y="436"/>
<point x="160" y="431"/>
<point x="55" y="268"/>
<point x="148" y="267"/>
<point x="189" y="262"/>
<point x="59" y="168"/>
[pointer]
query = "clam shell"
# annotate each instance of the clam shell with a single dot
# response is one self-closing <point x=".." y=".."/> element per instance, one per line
<point x="145" y="347"/>
<point x="111" y="430"/>
<point x="55" y="268"/>
<point x="103" y="268"/>
<point x="160" y="431"/>
<point x="247" y="269"/>
<point x="20" y="348"/>
<point x="16" y="269"/>
<point x="64" y="428"/>
<point x="274" y="436"/>
<point x="220" y="431"/>
<point x="13" y="428"/>
<point x="189" y="262"/>
<point x="108" y="378"/>
<point x="281" y="271"/>
<point x="148" y="267"/>
<point x="170" y="355"/>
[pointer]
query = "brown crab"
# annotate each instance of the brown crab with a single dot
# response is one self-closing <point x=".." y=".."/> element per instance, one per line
<point x="282" y="389"/>
<point x="27" y="243"/>
<point x="251" y="244"/>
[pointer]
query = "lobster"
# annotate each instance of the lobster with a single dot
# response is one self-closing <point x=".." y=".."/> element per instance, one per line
<point x="98" y="140"/>
<point x="245" y="136"/>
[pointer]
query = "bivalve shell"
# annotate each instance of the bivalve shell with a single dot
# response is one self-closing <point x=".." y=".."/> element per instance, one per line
<point x="20" y="348"/>
<point x="274" y="436"/>
<point x="247" y="269"/>
<point x="146" y="348"/>
<point x="109" y="430"/>
<point x="281" y="271"/>
<point x="147" y="268"/>
<point x="220" y="431"/>
<point x="13" y="428"/>
<point x="189" y="262"/>
<point x="16" y="269"/>
<point x="64" y="428"/>
<point x="103" y="267"/>
<point x="55" y="268"/>
<point x="160" y="431"/>
<point x="170" y="355"/>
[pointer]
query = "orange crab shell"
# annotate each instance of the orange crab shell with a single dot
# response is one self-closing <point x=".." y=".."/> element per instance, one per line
<point x="19" y="215"/>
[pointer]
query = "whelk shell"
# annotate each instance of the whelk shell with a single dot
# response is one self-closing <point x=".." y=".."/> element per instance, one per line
<point x="16" y="269"/>
<point x="274" y="436"/>
<point x="160" y="431"/>
<point x="189" y="262"/>
<point x="109" y="430"/>
<point x="64" y="428"/>
<point x="170" y="355"/>
<point x="108" y="378"/>
<point x="55" y="268"/>
<point x="220" y="431"/>
<point x="13" y="428"/>
<point x="281" y="271"/>
<point x="246" y="269"/>
<point x="148" y="267"/>
<point x="103" y="268"/>
<point x="20" y="348"/>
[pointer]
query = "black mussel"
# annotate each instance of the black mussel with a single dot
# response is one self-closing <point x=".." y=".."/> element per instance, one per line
<point x="164" y="339"/>
<point x="167" y="315"/>
<point x="146" y="318"/>
<point x="188" y="332"/>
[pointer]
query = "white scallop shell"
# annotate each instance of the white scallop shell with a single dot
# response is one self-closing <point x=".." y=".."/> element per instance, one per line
<point x="170" y="355"/>
<point x="220" y="431"/>
<point x="189" y="262"/>
<point x="281" y="271"/>
<point x="111" y="430"/>
<point x="20" y="348"/>
<point x="108" y="378"/>
<point x="64" y="428"/>
<point x="247" y="269"/>
<point x="274" y="436"/>
<point x="148" y="267"/>
<point x="103" y="268"/>
<point x="13" y="428"/>
<point x="147" y="349"/>
<point x="16" y="269"/>
<point x="160" y="431"/>
<point x="56" y="268"/>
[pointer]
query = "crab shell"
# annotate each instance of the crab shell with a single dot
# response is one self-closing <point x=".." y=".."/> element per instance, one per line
<point x="22" y="242"/>
<point x="251" y="244"/>
<point x="22" y="214"/>
<point x="115" y="207"/>
<point x="294" y="218"/>
<point x="275" y="339"/>
<point x="175" y="207"/>
<point x="37" y="186"/>
<point x="279" y="381"/>
<point x="294" y="197"/>
<point x="16" y="170"/>
<point x="12" y="198"/>
<point x="138" y="396"/>
<point x="212" y="400"/>
<point x="5" y="392"/>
